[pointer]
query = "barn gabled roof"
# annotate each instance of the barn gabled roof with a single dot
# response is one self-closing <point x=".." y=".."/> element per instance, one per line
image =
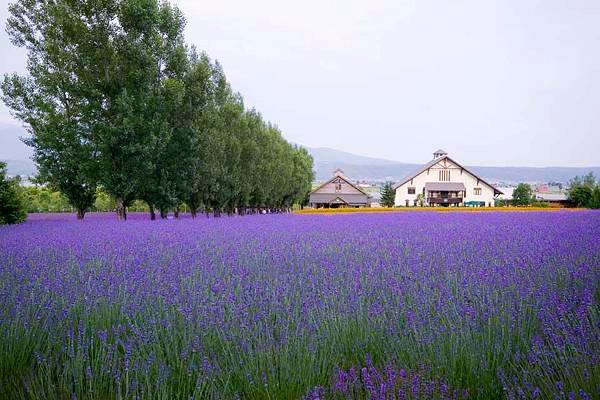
<point x="338" y="174"/>
<point x="437" y="160"/>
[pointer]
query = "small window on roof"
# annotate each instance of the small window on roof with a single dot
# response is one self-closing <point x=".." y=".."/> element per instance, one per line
<point x="411" y="190"/>
<point x="477" y="191"/>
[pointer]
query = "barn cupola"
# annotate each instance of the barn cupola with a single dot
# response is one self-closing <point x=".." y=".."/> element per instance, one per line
<point x="338" y="172"/>
<point x="439" y="153"/>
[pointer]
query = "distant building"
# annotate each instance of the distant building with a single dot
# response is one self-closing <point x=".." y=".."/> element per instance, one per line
<point x="339" y="191"/>
<point x="444" y="182"/>
<point x="554" y="199"/>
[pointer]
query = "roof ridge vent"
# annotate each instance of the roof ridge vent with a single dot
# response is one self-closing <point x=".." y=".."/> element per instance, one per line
<point x="439" y="153"/>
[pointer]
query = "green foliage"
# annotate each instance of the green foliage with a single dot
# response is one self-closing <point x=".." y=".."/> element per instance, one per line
<point x="44" y="199"/>
<point x="56" y="101"/>
<point x="104" y="202"/>
<point x="595" y="198"/>
<point x="115" y="99"/>
<point x="540" y="204"/>
<point x="388" y="195"/>
<point x="522" y="195"/>
<point x="12" y="204"/>
<point x="581" y="191"/>
<point x="500" y="203"/>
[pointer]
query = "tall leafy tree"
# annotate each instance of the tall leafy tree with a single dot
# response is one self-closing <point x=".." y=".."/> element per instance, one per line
<point x="115" y="101"/>
<point x="522" y="194"/>
<point x="54" y="99"/>
<point x="581" y="190"/>
<point x="388" y="195"/>
<point x="145" y="45"/>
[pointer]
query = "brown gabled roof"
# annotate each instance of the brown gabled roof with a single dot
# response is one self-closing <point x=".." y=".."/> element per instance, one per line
<point x="435" y="161"/>
<point x="341" y="177"/>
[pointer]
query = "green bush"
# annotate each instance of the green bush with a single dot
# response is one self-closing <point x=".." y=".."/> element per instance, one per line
<point x="12" y="206"/>
<point x="541" y="204"/>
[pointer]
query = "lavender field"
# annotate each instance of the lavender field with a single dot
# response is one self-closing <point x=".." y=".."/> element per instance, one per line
<point x="364" y="306"/>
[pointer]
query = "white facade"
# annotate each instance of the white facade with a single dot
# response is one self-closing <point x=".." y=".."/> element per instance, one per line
<point x="444" y="182"/>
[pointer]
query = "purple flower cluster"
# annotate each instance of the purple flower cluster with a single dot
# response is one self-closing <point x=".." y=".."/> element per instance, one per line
<point x="392" y="384"/>
<point x="448" y="305"/>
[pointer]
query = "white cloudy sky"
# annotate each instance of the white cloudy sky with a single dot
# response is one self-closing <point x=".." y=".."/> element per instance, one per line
<point x="505" y="82"/>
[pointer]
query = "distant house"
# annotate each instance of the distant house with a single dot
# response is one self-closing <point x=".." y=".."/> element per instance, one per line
<point x="339" y="191"/>
<point x="554" y="199"/>
<point x="444" y="182"/>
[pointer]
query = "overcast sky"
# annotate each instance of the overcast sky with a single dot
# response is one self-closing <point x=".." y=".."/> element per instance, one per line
<point x="498" y="83"/>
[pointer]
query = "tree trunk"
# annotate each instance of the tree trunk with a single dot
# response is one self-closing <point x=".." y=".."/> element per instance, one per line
<point x="194" y="212"/>
<point x="152" y="213"/>
<point x="121" y="215"/>
<point x="163" y="213"/>
<point x="80" y="213"/>
<point x="177" y="212"/>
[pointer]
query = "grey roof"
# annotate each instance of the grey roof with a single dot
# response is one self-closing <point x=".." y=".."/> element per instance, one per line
<point x="354" y="198"/>
<point x="418" y="171"/>
<point x="431" y="164"/>
<point x="375" y="196"/>
<point x="551" y="196"/>
<point x="445" y="186"/>
<point x="440" y="151"/>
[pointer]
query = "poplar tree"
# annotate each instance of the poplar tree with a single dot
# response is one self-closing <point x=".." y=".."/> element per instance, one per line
<point x="115" y="101"/>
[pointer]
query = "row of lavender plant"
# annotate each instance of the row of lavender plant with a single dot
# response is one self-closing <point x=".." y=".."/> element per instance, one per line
<point x="419" y="305"/>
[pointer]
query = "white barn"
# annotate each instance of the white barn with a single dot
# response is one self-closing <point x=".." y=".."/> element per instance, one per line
<point x="444" y="182"/>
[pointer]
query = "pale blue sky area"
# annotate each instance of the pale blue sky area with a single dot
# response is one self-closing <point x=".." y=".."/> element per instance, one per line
<point x="494" y="83"/>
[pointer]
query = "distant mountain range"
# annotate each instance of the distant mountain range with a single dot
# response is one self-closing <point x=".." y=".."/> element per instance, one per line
<point x="326" y="160"/>
<point x="357" y="167"/>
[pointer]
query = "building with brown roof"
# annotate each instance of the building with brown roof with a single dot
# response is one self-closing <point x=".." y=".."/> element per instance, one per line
<point x="338" y="191"/>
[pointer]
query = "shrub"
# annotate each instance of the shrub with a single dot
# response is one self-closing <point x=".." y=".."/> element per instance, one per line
<point x="12" y="206"/>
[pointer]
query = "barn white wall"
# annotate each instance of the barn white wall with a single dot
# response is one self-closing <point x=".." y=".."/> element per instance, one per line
<point x="419" y="181"/>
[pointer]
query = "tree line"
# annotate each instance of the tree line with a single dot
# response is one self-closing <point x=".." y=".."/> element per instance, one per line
<point x="585" y="191"/>
<point x="115" y="99"/>
<point x="581" y="192"/>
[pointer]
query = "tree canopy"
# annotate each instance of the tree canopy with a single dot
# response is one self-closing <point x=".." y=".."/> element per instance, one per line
<point x="585" y="192"/>
<point x="115" y="99"/>
<point x="522" y="194"/>
<point x="388" y="195"/>
<point x="12" y="205"/>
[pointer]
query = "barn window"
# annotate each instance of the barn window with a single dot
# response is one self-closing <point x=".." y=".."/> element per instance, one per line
<point x="444" y="175"/>
<point x="338" y="185"/>
<point x="477" y="191"/>
<point x="411" y="190"/>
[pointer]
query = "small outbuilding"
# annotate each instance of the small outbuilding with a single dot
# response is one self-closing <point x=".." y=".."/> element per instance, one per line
<point x="339" y="191"/>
